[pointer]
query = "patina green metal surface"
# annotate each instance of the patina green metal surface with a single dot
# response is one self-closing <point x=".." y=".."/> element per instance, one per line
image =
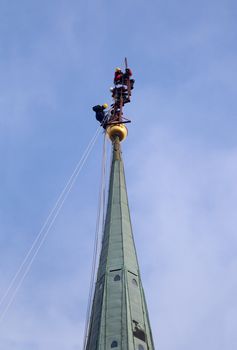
<point x="119" y="317"/>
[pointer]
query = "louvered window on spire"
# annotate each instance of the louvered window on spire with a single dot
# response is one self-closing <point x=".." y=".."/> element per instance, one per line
<point x="138" y="331"/>
<point x="114" y="344"/>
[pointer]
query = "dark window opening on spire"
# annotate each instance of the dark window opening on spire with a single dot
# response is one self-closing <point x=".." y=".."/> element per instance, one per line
<point x="134" y="281"/>
<point x="117" y="278"/>
<point x="114" y="344"/>
<point x="138" y="331"/>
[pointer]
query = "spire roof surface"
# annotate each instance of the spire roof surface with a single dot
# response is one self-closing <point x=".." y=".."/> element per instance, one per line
<point x="119" y="316"/>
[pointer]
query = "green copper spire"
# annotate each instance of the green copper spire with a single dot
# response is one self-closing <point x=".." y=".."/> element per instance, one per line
<point x="119" y="317"/>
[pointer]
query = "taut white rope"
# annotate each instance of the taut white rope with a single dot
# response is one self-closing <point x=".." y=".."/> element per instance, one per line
<point x="26" y="264"/>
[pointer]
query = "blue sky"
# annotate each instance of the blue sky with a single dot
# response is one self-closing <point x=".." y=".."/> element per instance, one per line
<point x="56" y="61"/>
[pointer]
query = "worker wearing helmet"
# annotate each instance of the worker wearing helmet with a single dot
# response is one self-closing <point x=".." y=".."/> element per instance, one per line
<point x="118" y="76"/>
<point x="126" y="78"/>
<point x="100" y="113"/>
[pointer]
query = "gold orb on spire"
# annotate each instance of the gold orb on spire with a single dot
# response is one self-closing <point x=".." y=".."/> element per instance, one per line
<point x="119" y="130"/>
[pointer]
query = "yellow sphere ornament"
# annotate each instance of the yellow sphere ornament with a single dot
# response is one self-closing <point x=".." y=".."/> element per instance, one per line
<point x="119" y="130"/>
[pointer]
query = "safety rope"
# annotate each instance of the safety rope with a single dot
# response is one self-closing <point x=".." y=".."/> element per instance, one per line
<point x="98" y="233"/>
<point x="27" y="262"/>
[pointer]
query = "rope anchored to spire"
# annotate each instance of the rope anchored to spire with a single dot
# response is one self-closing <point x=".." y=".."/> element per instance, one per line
<point x="24" y="268"/>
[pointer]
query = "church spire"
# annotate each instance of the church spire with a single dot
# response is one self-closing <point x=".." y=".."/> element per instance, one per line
<point x="119" y="316"/>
